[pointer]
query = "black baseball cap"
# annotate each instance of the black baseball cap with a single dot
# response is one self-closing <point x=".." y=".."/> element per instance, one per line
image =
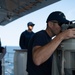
<point x="58" y="16"/>
<point x="30" y="24"/>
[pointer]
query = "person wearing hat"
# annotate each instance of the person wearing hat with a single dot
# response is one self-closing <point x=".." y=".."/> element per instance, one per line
<point x="26" y="36"/>
<point x="42" y="45"/>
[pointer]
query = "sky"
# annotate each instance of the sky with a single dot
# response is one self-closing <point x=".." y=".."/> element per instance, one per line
<point x="11" y="32"/>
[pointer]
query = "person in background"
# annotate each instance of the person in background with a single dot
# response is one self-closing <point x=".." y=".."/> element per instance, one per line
<point x="26" y="36"/>
<point x="42" y="45"/>
<point x="2" y="54"/>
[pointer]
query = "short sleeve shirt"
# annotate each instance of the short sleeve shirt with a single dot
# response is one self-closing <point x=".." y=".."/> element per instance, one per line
<point x="41" y="38"/>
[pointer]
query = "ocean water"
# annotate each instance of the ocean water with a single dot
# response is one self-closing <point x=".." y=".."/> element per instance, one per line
<point x="9" y="60"/>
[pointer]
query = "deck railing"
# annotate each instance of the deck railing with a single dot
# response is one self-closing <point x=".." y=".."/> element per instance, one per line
<point x="7" y="64"/>
<point x="14" y="63"/>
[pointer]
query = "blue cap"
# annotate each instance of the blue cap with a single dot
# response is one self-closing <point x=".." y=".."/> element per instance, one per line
<point x="30" y="24"/>
<point x="58" y="16"/>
